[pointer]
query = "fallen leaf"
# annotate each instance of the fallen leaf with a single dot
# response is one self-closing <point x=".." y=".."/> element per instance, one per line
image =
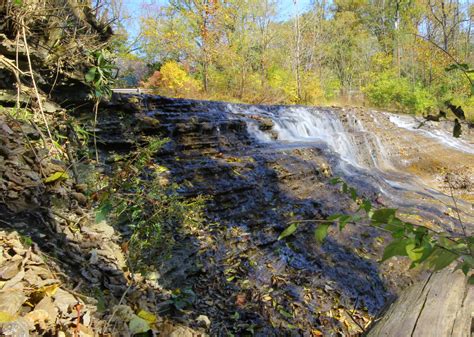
<point x="266" y="298"/>
<point x="11" y="300"/>
<point x="147" y="316"/>
<point x="63" y="299"/>
<point x="241" y="300"/>
<point x="14" y="282"/>
<point x="86" y="318"/>
<point x="56" y="176"/>
<point x="138" y="325"/>
<point x="316" y="333"/>
<point x="10" y="269"/>
<point x="47" y="305"/>
<point x="48" y="290"/>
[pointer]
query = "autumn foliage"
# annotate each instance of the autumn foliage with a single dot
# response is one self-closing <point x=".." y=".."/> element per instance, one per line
<point x="173" y="80"/>
<point x="386" y="54"/>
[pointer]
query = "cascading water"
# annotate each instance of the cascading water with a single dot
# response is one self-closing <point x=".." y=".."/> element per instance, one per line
<point x="355" y="147"/>
<point x="308" y="125"/>
<point x="442" y="136"/>
<point x="303" y="124"/>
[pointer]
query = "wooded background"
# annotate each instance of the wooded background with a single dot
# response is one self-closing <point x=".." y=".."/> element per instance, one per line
<point x="387" y="53"/>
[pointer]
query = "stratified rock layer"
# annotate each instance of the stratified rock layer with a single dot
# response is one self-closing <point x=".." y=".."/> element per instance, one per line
<point x="243" y="276"/>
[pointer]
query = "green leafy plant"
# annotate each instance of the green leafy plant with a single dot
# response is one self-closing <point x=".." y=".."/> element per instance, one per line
<point x="100" y="77"/>
<point x="388" y="90"/>
<point x="424" y="246"/>
<point x="466" y="70"/>
<point x="150" y="211"/>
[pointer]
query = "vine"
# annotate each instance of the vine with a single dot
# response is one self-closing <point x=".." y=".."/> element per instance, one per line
<point x="425" y="247"/>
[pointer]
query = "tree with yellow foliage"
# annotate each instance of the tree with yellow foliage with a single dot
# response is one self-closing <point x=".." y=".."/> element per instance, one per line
<point x="387" y="53"/>
<point x="173" y="80"/>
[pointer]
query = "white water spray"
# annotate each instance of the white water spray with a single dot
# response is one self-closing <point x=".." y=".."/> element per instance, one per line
<point x="442" y="136"/>
<point x="302" y="124"/>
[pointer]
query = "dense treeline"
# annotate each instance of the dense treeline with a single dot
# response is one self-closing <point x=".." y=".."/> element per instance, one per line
<point x="388" y="53"/>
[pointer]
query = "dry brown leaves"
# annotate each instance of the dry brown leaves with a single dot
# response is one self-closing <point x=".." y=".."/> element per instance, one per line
<point x="31" y="296"/>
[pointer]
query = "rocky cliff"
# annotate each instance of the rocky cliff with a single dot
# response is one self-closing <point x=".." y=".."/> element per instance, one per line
<point x="259" y="169"/>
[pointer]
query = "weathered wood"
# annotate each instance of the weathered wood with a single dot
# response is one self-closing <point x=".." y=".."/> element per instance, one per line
<point x="442" y="305"/>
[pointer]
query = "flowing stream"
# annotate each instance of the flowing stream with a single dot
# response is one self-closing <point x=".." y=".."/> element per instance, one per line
<point x="442" y="135"/>
<point x="358" y="151"/>
<point x="323" y="127"/>
<point x="266" y="166"/>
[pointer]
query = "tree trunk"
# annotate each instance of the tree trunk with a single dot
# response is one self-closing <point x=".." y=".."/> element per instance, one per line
<point x="205" y="77"/>
<point x="298" y="51"/>
<point x="397" y="38"/>
<point x="442" y="306"/>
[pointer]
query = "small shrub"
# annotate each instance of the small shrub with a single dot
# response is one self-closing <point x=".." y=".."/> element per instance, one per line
<point x="389" y="91"/>
<point x="147" y="210"/>
<point x="100" y="77"/>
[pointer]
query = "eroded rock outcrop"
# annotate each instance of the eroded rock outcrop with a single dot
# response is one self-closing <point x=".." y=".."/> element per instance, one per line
<point x="55" y="40"/>
<point x="242" y="275"/>
<point x="62" y="272"/>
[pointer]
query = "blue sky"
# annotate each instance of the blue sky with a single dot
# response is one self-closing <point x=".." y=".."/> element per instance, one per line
<point x="134" y="8"/>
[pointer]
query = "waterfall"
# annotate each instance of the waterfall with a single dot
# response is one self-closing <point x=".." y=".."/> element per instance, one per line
<point x="442" y="136"/>
<point x="352" y="143"/>
<point x="297" y="124"/>
<point x="352" y="137"/>
<point x="361" y="146"/>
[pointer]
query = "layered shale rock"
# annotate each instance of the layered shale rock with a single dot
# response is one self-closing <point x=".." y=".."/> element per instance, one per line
<point x="242" y="274"/>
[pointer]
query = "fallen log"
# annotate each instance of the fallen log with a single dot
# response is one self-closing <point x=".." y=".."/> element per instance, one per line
<point x="442" y="305"/>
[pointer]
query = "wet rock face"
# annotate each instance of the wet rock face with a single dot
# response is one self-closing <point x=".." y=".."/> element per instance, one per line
<point x="244" y="277"/>
<point x="426" y="149"/>
<point x="192" y="127"/>
<point x="20" y="183"/>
